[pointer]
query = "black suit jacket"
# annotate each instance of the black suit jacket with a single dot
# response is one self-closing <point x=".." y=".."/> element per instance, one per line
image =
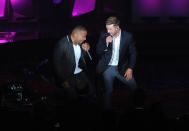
<point x="64" y="59"/>
<point x="127" y="52"/>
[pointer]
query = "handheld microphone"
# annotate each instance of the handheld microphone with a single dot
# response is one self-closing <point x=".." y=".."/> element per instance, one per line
<point x="89" y="55"/>
<point x="87" y="51"/>
<point x="107" y="34"/>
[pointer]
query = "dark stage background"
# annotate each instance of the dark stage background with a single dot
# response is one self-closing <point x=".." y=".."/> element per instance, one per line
<point x="30" y="29"/>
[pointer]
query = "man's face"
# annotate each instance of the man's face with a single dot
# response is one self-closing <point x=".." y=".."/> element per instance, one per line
<point x="81" y="36"/>
<point x="111" y="29"/>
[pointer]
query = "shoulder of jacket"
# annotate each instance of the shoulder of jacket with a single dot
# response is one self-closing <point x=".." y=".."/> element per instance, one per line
<point x="129" y="34"/>
<point x="102" y="33"/>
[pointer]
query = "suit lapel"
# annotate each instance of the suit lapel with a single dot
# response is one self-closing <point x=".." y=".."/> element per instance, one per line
<point x="72" y="55"/>
<point x="122" y="42"/>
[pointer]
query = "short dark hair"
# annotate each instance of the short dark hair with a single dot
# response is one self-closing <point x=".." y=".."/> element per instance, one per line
<point x="79" y="28"/>
<point x="113" y="20"/>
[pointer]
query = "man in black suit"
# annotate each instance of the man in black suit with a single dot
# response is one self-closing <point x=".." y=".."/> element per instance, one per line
<point x="70" y="65"/>
<point x="117" y="58"/>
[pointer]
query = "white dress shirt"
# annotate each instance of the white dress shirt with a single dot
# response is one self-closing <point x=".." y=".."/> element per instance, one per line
<point x="77" y="52"/>
<point x="115" y="50"/>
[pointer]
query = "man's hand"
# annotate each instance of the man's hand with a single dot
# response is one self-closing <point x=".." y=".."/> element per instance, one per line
<point x="85" y="46"/>
<point x="66" y="84"/>
<point x="109" y="39"/>
<point x="128" y="74"/>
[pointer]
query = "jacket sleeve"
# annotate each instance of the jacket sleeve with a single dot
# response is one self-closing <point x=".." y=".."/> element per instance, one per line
<point x="58" y="56"/>
<point x="132" y="53"/>
<point x="101" y="47"/>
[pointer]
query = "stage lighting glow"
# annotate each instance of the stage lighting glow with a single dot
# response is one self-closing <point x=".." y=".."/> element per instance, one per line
<point x="4" y="41"/>
<point x="6" y="37"/>
<point x="74" y="14"/>
<point x="179" y="7"/>
<point x="83" y="6"/>
<point x="150" y="7"/>
<point x="57" y="1"/>
<point x="2" y="8"/>
<point x="16" y="1"/>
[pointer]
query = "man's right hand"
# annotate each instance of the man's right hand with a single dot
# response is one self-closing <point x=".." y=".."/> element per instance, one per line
<point x="109" y="39"/>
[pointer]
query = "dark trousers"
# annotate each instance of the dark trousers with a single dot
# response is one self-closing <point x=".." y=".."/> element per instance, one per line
<point x="109" y="75"/>
<point x="80" y="86"/>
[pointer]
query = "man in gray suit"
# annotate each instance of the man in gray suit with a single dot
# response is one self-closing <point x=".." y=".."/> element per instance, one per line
<point x="70" y="64"/>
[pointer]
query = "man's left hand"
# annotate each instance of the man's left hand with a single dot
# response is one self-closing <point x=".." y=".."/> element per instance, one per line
<point x="128" y="74"/>
<point x="85" y="46"/>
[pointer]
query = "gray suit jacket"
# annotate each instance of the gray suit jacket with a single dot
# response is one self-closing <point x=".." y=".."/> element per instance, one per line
<point x="64" y="59"/>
